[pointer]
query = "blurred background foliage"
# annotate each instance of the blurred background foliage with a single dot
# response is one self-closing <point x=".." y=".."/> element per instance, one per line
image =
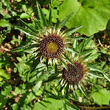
<point x="18" y="93"/>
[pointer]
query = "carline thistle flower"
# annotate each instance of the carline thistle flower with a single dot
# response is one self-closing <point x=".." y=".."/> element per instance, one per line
<point x="48" y="41"/>
<point x="50" y="45"/>
<point x="80" y="68"/>
<point x="74" y="74"/>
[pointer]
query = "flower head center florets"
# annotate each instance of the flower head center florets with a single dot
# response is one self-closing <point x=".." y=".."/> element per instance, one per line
<point x="52" y="47"/>
<point x="74" y="74"/>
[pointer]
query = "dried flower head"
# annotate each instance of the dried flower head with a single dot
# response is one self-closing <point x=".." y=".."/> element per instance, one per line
<point x="74" y="74"/>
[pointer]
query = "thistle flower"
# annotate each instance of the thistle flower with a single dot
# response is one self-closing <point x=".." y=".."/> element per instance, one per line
<point x="80" y="67"/>
<point x="48" y="41"/>
<point x="74" y="74"/>
<point x="50" y="45"/>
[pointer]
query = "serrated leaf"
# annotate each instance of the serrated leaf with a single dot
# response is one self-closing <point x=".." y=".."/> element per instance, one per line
<point x="26" y="31"/>
<point x="92" y="15"/>
<point x="65" y="20"/>
<point x="70" y="32"/>
<point x="41" y="15"/>
<point x="30" y="27"/>
<point x="107" y="77"/>
<point x="72" y="105"/>
<point x="50" y="16"/>
<point x="35" y="64"/>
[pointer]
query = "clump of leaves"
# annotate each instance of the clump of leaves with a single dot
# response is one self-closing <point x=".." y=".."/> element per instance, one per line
<point x="51" y="49"/>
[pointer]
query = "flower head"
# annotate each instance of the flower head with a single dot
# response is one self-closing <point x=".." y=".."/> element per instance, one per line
<point x="48" y="41"/>
<point x="74" y="74"/>
<point x="51" y="46"/>
<point x="79" y="68"/>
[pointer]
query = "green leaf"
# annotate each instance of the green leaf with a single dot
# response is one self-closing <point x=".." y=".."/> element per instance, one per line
<point x="18" y="0"/>
<point x="101" y="97"/>
<point x="29" y="98"/>
<point x="65" y="20"/>
<point x="24" y="15"/>
<point x="49" y="104"/>
<point x="50" y="16"/>
<point x="82" y="90"/>
<point x="3" y="101"/>
<point x="5" y="23"/>
<point x="41" y="15"/>
<point x="30" y="27"/>
<point x="15" y="107"/>
<point x="35" y="64"/>
<point x="107" y="77"/>
<point x="37" y="86"/>
<point x="92" y="15"/>
<point x="3" y="74"/>
<point x="71" y="105"/>
<point x="26" y="31"/>
<point x="6" y="91"/>
<point x="72" y="31"/>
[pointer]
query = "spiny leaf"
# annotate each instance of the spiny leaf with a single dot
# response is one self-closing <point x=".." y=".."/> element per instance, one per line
<point x="37" y="23"/>
<point x="56" y="68"/>
<point x="22" y="48"/>
<point x="35" y="63"/>
<point x="30" y="27"/>
<point x="65" y="20"/>
<point x="41" y="15"/>
<point x="82" y="90"/>
<point x="71" y="105"/>
<point x="106" y="77"/>
<point x="70" y="32"/>
<point x="68" y="59"/>
<point x="96" y="69"/>
<point x="50" y="16"/>
<point x="86" y="52"/>
<point x="64" y="64"/>
<point x="26" y="31"/>
<point x="94" y="75"/>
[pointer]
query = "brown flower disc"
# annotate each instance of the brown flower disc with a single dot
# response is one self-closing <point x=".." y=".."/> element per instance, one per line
<point x="74" y="74"/>
<point x="51" y="46"/>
